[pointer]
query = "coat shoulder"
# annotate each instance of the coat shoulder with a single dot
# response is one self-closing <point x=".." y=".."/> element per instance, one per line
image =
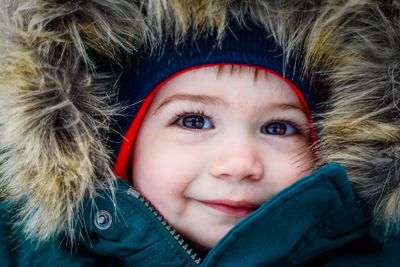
<point x="374" y="249"/>
<point x="16" y="251"/>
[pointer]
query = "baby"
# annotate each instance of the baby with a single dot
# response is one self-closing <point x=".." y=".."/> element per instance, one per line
<point x="215" y="143"/>
<point x="222" y="129"/>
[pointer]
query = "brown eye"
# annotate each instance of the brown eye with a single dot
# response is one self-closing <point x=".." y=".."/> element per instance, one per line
<point x="194" y="122"/>
<point x="278" y="128"/>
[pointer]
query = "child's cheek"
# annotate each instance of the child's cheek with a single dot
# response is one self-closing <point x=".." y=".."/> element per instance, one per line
<point x="284" y="169"/>
<point x="164" y="176"/>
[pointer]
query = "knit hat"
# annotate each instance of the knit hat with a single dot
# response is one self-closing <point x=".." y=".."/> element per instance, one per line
<point x="246" y="46"/>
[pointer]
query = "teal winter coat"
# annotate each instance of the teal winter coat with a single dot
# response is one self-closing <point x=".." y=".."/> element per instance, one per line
<point x="317" y="221"/>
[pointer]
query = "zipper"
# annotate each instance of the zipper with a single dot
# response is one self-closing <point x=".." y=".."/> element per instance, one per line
<point x="180" y="241"/>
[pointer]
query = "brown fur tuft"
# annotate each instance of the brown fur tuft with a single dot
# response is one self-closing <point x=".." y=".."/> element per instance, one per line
<point x="55" y="107"/>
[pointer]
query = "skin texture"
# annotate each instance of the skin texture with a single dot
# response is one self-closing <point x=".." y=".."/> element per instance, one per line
<point x="213" y="147"/>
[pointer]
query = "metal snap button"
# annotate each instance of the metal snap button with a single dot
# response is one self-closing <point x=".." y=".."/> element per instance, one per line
<point x="102" y="220"/>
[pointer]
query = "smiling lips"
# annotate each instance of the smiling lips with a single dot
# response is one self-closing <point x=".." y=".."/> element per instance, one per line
<point x="232" y="208"/>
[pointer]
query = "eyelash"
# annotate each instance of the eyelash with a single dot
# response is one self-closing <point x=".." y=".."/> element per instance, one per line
<point x="200" y="112"/>
<point x="299" y="129"/>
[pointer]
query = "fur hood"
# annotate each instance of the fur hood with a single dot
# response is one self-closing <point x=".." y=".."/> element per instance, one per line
<point x="60" y="61"/>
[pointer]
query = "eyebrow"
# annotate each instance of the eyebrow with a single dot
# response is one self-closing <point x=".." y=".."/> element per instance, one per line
<point x="284" y="106"/>
<point x="204" y="99"/>
<point x="217" y="101"/>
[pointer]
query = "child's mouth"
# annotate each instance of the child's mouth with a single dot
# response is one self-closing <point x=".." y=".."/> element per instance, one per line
<point x="232" y="208"/>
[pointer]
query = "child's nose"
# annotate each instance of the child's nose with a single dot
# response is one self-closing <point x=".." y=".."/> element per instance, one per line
<point x="239" y="162"/>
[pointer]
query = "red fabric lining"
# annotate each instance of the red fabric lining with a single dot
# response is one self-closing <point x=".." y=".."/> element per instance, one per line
<point x="121" y="167"/>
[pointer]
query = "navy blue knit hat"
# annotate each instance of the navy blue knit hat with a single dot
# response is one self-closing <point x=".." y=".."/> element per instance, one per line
<point x="250" y="45"/>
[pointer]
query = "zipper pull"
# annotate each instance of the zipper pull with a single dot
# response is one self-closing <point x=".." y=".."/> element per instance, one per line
<point x="134" y="193"/>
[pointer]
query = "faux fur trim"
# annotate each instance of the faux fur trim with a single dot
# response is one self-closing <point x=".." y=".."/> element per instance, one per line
<point x="357" y="50"/>
<point x="55" y="103"/>
<point x="55" y="106"/>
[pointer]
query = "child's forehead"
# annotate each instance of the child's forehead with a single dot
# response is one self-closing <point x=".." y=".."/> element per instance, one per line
<point x="219" y="77"/>
<point x="226" y="75"/>
<point x="228" y="83"/>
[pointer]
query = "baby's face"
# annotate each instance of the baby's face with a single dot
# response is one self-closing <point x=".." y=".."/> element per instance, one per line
<point x="214" y="146"/>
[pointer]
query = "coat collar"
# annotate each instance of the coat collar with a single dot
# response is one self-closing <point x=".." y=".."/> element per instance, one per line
<point x="317" y="214"/>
